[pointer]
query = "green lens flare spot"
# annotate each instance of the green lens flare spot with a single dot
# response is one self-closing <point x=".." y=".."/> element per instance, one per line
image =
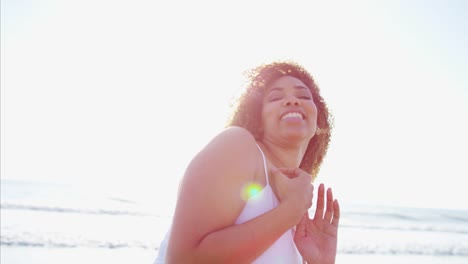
<point x="250" y="191"/>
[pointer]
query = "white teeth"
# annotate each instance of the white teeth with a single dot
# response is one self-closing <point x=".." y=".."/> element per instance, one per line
<point x="293" y="114"/>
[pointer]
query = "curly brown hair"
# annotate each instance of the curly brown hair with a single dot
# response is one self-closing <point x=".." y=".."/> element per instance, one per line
<point x="247" y="113"/>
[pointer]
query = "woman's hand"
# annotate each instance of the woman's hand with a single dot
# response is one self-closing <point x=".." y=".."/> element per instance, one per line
<point x="294" y="188"/>
<point x="316" y="239"/>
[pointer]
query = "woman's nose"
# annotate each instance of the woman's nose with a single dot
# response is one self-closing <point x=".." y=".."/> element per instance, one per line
<point x="291" y="100"/>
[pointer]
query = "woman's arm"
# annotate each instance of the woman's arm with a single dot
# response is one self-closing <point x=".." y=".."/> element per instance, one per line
<point x="245" y="242"/>
<point x="209" y="202"/>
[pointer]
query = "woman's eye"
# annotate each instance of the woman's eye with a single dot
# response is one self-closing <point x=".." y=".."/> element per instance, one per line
<point x="305" y="97"/>
<point x="273" y="99"/>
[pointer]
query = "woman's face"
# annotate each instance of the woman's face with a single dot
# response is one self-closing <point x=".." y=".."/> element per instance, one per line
<point x="288" y="112"/>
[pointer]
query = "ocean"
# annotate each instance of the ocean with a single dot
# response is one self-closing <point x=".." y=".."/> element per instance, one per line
<point x="57" y="223"/>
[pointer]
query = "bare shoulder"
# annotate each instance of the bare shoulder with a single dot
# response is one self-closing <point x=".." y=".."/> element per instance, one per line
<point x="237" y="133"/>
<point x="234" y="138"/>
<point x="209" y="196"/>
<point x="233" y="149"/>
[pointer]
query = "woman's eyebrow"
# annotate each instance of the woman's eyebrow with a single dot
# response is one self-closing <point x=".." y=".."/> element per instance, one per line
<point x="278" y="88"/>
<point x="274" y="89"/>
<point x="299" y="87"/>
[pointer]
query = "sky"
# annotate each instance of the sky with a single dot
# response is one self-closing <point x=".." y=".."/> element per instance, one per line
<point x="118" y="96"/>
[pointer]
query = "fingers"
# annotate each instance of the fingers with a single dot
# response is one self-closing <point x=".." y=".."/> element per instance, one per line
<point x="320" y="203"/>
<point x="329" y="211"/>
<point x="289" y="172"/>
<point x="278" y="174"/>
<point x="296" y="172"/>
<point x="293" y="183"/>
<point x="331" y="207"/>
<point x="336" y="213"/>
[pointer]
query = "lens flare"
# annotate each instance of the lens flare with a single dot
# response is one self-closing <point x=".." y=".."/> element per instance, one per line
<point x="250" y="190"/>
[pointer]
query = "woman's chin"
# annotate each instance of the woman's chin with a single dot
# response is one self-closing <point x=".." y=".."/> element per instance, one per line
<point x="298" y="135"/>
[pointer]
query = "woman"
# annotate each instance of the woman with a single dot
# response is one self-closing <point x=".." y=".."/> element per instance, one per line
<point x="244" y="198"/>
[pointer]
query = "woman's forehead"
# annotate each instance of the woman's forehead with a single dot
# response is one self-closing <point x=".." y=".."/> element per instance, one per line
<point x="285" y="82"/>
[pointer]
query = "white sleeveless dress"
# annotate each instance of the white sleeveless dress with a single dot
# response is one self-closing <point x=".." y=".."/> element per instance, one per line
<point x="283" y="250"/>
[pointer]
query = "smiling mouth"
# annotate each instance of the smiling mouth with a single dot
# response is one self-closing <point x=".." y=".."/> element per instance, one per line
<point x="292" y="115"/>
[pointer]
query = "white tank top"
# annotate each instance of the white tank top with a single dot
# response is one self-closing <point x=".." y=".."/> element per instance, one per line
<point x="283" y="250"/>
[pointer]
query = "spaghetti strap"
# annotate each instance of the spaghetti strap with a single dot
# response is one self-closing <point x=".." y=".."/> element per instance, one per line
<point x="264" y="165"/>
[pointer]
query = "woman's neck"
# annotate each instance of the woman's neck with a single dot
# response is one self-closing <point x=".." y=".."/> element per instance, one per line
<point x="284" y="156"/>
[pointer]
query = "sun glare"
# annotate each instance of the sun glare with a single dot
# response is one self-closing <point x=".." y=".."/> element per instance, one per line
<point x="250" y="191"/>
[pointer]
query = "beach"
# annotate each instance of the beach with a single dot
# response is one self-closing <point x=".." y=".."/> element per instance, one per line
<point x="50" y="223"/>
<point x="21" y="255"/>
